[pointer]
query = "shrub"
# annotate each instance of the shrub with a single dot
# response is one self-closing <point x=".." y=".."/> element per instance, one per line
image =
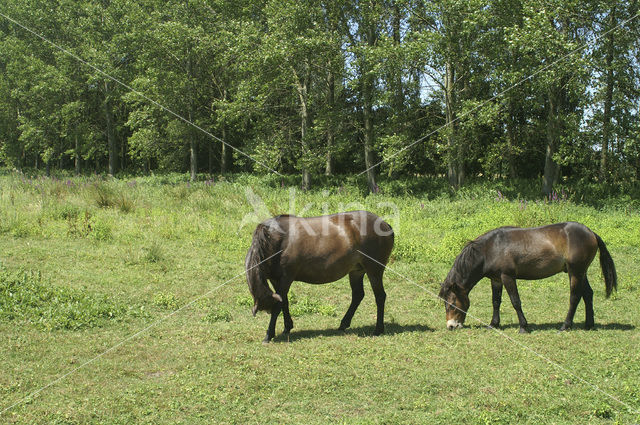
<point x="103" y="195"/>
<point x="154" y="253"/>
<point x="100" y="230"/>
<point x="166" y="301"/>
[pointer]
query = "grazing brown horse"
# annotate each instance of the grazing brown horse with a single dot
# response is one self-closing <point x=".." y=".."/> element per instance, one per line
<point x="509" y="253"/>
<point x="317" y="250"/>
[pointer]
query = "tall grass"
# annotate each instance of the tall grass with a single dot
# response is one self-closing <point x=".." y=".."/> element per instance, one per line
<point x="115" y="255"/>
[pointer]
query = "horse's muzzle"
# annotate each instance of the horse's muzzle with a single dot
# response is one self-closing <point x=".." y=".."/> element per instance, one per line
<point x="453" y="324"/>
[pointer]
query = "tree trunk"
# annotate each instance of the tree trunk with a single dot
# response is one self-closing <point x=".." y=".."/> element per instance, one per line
<point x="368" y="83"/>
<point x="398" y="89"/>
<point x="225" y="152"/>
<point x="553" y="133"/>
<point x="608" y="99"/>
<point x="453" y="161"/>
<point x="76" y="155"/>
<point x="303" y="95"/>
<point x="193" y="160"/>
<point x="304" y="122"/>
<point x="511" y="140"/>
<point x="331" y="82"/>
<point x="111" y="138"/>
<point x="368" y="137"/>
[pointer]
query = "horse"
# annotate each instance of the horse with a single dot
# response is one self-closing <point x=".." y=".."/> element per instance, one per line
<point x="509" y="253"/>
<point x="317" y="250"/>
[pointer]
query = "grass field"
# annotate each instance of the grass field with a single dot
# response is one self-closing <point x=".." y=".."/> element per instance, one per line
<point x="90" y="263"/>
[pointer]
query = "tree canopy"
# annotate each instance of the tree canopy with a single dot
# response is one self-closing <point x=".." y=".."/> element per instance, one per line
<point x="534" y="89"/>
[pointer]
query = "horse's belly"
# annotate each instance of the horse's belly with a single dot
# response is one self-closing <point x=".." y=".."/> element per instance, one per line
<point x="540" y="269"/>
<point x="322" y="270"/>
<point x="314" y="274"/>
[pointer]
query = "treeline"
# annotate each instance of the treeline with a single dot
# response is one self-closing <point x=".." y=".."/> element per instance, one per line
<point x="542" y="88"/>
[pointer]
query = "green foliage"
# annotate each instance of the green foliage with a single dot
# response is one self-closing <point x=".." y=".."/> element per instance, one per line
<point x="604" y="411"/>
<point x="244" y="300"/>
<point x="101" y="229"/>
<point x="26" y="297"/>
<point x="219" y="314"/>
<point x="166" y="301"/>
<point x="299" y="86"/>
<point x="154" y="253"/>
<point x="300" y="306"/>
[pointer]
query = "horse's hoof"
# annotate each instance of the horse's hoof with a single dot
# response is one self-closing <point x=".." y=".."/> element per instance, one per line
<point x="564" y="328"/>
<point x="378" y="332"/>
<point x="523" y="331"/>
<point x="494" y="326"/>
<point x="589" y="327"/>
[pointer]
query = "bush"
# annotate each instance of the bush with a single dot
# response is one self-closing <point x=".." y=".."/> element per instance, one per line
<point x="166" y="301"/>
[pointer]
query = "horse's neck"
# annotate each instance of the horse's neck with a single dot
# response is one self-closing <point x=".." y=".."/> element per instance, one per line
<point x="470" y="271"/>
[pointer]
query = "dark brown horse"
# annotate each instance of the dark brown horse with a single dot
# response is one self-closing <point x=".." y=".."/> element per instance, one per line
<point x="509" y="253"/>
<point x="317" y="250"/>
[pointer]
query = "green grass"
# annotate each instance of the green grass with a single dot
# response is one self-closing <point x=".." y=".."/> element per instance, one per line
<point x="91" y="262"/>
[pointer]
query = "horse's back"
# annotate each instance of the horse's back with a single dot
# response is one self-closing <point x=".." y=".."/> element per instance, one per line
<point x="537" y="252"/>
<point x="325" y="248"/>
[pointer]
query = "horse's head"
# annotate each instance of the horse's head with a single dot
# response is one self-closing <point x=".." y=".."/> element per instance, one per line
<point x="257" y="266"/>
<point x="456" y="304"/>
<point x="265" y="303"/>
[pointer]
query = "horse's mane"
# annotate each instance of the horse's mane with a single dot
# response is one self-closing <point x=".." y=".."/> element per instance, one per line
<point x="462" y="266"/>
<point x="266" y="242"/>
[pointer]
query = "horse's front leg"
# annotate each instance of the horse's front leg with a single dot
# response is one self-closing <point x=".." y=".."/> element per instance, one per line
<point x="288" y="322"/>
<point x="282" y="287"/>
<point x="496" y="292"/>
<point x="271" y="330"/>
<point x="510" y="284"/>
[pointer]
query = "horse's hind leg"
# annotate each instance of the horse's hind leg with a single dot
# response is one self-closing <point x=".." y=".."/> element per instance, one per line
<point x="357" y="294"/>
<point x="576" y="288"/>
<point x="375" y="278"/>
<point x="587" y="296"/>
<point x="496" y="292"/>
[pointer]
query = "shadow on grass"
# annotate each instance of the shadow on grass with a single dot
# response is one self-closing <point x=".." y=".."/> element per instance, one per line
<point x="555" y="326"/>
<point x="362" y="331"/>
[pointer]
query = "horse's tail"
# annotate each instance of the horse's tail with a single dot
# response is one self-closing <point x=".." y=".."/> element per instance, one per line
<point x="257" y="270"/>
<point x="608" y="268"/>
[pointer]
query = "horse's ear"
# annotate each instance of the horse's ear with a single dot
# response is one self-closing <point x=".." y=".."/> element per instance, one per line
<point x="277" y="297"/>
